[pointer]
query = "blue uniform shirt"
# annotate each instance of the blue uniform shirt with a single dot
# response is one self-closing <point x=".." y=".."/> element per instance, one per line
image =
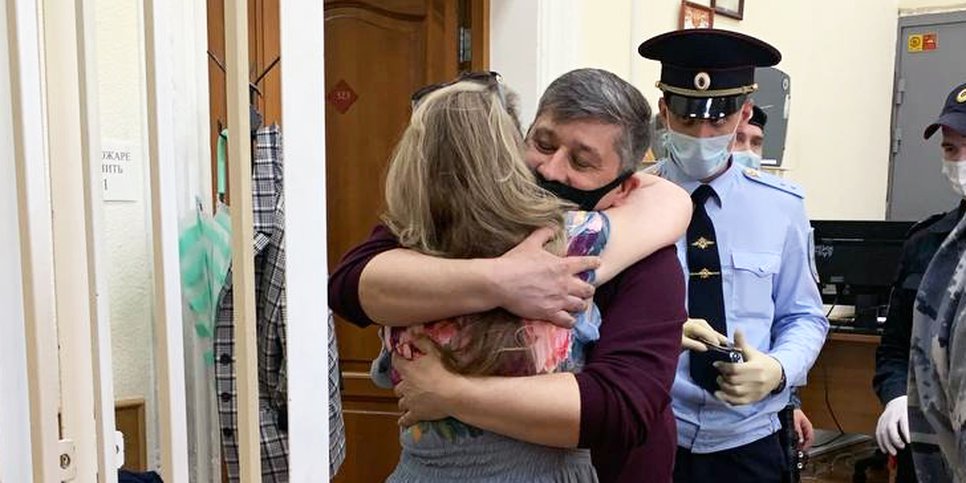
<point x="770" y="294"/>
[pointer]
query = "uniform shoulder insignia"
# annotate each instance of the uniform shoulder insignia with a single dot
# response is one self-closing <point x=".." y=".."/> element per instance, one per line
<point x="773" y="181"/>
<point x="922" y="225"/>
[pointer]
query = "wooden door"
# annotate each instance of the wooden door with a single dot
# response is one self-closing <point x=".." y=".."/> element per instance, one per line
<point x="377" y="53"/>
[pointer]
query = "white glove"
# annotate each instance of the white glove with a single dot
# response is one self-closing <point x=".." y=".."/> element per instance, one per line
<point x="892" y="431"/>
<point x="696" y="332"/>
<point x="749" y="381"/>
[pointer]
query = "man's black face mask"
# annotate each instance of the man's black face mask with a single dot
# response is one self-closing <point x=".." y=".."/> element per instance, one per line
<point x="584" y="199"/>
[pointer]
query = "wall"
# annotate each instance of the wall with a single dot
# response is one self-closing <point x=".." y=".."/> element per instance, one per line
<point x="120" y="61"/>
<point x="840" y="56"/>
<point x="605" y="35"/>
<point x="838" y="135"/>
<point x="531" y="44"/>
<point x="514" y="51"/>
<point x="913" y="7"/>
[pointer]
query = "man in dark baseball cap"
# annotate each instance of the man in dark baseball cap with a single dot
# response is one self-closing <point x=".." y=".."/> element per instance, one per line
<point x="937" y="363"/>
<point x="895" y="429"/>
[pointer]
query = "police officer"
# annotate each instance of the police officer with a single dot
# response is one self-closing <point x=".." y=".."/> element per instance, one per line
<point x="749" y="139"/>
<point x="746" y="260"/>
<point x="923" y="240"/>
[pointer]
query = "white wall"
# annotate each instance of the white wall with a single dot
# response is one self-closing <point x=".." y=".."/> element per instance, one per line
<point x="513" y="50"/>
<point x="913" y="7"/>
<point x="840" y="56"/>
<point x="605" y="35"/>
<point x="127" y="224"/>
<point x="531" y="44"/>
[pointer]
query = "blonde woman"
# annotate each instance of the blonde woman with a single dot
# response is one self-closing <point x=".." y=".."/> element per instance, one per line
<point x="458" y="187"/>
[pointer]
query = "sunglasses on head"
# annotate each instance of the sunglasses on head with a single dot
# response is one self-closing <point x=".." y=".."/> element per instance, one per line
<point x="488" y="78"/>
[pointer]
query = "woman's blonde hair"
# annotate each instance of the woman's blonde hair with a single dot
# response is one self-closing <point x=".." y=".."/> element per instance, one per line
<point x="458" y="187"/>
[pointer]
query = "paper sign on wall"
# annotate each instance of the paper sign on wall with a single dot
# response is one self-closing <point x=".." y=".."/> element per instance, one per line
<point x="121" y="171"/>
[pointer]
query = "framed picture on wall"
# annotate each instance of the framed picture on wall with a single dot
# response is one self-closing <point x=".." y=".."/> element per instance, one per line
<point x="730" y="8"/>
<point x="695" y="16"/>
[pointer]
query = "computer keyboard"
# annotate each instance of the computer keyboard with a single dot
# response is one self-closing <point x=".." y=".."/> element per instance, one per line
<point x="853" y="329"/>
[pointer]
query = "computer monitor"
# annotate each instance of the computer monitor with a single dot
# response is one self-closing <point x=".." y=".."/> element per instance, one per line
<point x="857" y="262"/>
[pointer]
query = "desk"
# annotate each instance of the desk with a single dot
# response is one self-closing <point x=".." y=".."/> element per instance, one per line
<point x="845" y="366"/>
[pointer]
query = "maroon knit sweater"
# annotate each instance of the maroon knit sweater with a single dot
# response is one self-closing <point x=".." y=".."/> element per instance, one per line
<point x="625" y="416"/>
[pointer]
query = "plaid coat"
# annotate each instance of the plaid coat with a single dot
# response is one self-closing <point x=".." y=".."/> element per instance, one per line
<point x="269" y="243"/>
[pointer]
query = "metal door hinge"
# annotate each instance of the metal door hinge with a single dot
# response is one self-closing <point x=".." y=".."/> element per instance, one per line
<point x="465" y="45"/>
<point x="900" y="90"/>
<point x="66" y="467"/>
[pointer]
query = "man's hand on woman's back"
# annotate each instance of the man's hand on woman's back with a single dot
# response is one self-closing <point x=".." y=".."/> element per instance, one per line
<point x="538" y="285"/>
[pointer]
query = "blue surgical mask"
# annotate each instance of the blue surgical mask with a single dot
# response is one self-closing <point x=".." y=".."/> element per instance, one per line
<point x="748" y="159"/>
<point x="698" y="158"/>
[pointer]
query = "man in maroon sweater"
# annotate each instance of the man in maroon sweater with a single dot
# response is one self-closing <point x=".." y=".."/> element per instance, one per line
<point x="591" y="129"/>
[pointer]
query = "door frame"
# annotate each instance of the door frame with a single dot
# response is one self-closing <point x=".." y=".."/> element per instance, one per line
<point x="82" y="298"/>
<point x="40" y="395"/>
<point x="480" y="29"/>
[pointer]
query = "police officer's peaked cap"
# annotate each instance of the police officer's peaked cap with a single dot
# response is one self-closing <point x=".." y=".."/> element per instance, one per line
<point x="758" y="117"/>
<point x="707" y="73"/>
